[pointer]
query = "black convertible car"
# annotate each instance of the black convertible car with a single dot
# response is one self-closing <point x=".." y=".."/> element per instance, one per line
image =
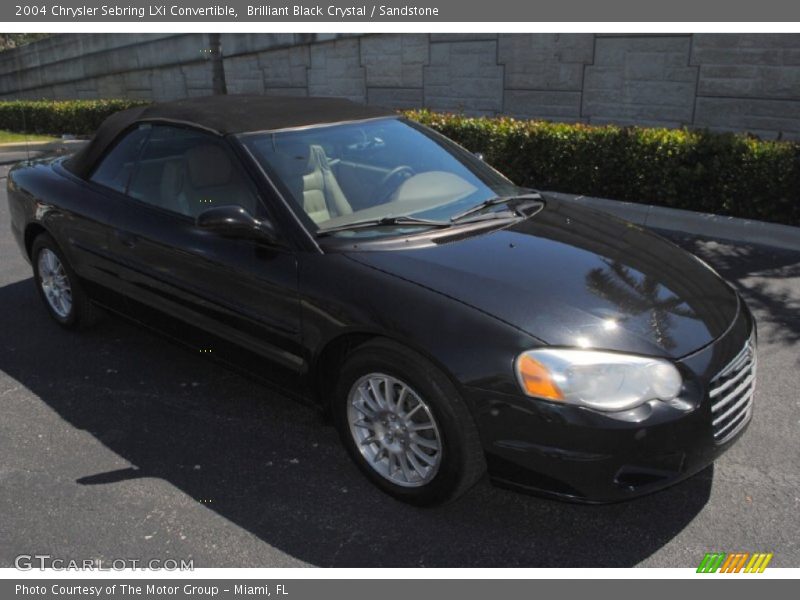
<point x="449" y="321"/>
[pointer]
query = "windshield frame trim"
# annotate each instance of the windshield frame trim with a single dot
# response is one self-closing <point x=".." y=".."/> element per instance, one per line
<point x="309" y="235"/>
<point x="245" y="134"/>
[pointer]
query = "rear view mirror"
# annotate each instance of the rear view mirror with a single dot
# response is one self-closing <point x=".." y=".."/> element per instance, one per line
<point x="235" y="221"/>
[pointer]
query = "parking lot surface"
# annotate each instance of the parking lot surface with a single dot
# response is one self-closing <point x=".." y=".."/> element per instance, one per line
<point x="116" y="443"/>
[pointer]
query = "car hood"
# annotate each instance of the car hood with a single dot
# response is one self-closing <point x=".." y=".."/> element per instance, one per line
<point x="571" y="276"/>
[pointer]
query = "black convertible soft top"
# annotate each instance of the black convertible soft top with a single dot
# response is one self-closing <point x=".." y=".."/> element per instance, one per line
<point x="223" y="115"/>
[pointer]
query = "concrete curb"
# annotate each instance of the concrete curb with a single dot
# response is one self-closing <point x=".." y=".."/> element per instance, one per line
<point x="34" y="150"/>
<point x="39" y="146"/>
<point x="695" y="223"/>
<point x="57" y="146"/>
<point x="22" y="146"/>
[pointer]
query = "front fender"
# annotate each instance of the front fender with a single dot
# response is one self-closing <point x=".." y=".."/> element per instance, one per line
<point x="341" y="296"/>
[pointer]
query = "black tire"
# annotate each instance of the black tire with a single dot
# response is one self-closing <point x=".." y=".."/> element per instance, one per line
<point x="83" y="313"/>
<point x="462" y="461"/>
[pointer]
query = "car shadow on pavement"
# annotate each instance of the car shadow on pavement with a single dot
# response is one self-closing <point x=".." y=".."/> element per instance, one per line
<point x="273" y="467"/>
<point x="766" y="277"/>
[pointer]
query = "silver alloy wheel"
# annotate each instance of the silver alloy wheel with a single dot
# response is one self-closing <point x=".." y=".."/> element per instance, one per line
<point x="55" y="283"/>
<point x="394" y="430"/>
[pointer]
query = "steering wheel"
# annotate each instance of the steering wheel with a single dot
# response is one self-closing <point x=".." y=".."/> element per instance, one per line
<point x="387" y="186"/>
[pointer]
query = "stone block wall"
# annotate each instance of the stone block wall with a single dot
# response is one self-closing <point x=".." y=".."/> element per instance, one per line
<point x="730" y="82"/>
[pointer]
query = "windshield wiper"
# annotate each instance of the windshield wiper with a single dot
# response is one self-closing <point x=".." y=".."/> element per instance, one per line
<point x="405" y="220"/>
<point x="384" y="222"/>
<point x="494" y="202"/>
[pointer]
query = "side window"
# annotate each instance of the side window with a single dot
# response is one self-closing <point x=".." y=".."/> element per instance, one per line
<point x="187" y="171"/>
<point x="116" y="167"/>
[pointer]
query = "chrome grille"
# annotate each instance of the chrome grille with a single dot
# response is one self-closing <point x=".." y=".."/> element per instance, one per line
<point x="732" y="394"/>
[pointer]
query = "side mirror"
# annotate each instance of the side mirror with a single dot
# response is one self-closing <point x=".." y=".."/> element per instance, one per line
<point x="235" y="221"/>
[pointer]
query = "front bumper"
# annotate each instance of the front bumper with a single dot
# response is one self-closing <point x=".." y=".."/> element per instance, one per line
<point x="581" y="455"/>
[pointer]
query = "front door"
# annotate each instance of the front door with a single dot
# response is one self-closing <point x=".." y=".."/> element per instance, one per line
<point x="234" y="293"/>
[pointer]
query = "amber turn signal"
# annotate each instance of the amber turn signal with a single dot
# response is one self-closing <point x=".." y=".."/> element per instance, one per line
<point x="536" y="380"/>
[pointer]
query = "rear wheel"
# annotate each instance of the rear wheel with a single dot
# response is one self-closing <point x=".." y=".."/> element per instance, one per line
<point x="59" y="287"/>
<point x="405" y="425"/>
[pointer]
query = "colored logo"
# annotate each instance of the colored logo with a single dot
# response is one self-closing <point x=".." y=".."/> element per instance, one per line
<point x="736" y="562"/>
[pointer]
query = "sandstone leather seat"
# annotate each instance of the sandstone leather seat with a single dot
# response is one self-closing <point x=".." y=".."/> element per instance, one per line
<point x="307" y="173"/>
<point x="323" y="198"/>
<point x="210" y="179"/>
<point x="173" y="179"/>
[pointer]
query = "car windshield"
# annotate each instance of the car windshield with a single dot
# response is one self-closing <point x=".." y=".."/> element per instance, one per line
<point x="376" y="170"/>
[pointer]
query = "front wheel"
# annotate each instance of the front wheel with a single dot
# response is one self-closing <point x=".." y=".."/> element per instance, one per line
<point x="405" y="425"/>
<point x="59" y="287"/>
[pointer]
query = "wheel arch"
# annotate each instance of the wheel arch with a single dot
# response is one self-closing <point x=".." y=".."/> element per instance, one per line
<point x="32" y="231"/>
<point x="335" y="351"/>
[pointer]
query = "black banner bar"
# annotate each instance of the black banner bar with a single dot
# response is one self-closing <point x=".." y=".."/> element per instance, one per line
<point x="266" y="11"/>
<point x="334" y="589"/>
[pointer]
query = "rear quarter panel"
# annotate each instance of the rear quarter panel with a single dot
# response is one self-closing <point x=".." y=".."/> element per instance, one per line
<point x="43" y="194"/>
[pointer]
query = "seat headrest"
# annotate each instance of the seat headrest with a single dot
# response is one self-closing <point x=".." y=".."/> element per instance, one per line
<point x="172" y="180"/>
<point x="318" y="159"/>
<point x="208" y="165"/>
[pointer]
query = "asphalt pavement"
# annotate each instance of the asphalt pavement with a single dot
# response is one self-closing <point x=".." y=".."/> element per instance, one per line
<point x="116" y="443"/>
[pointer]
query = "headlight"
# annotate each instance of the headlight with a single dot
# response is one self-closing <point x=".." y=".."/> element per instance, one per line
<point x="600" y="380"/>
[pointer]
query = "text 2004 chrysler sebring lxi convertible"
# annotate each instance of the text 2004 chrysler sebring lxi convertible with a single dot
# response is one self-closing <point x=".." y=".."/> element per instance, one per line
<point x="449" y="321"/>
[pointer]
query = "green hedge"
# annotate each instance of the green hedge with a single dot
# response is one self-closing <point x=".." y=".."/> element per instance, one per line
<point x="728" y="174"/>
<point x="79" y="117"/>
